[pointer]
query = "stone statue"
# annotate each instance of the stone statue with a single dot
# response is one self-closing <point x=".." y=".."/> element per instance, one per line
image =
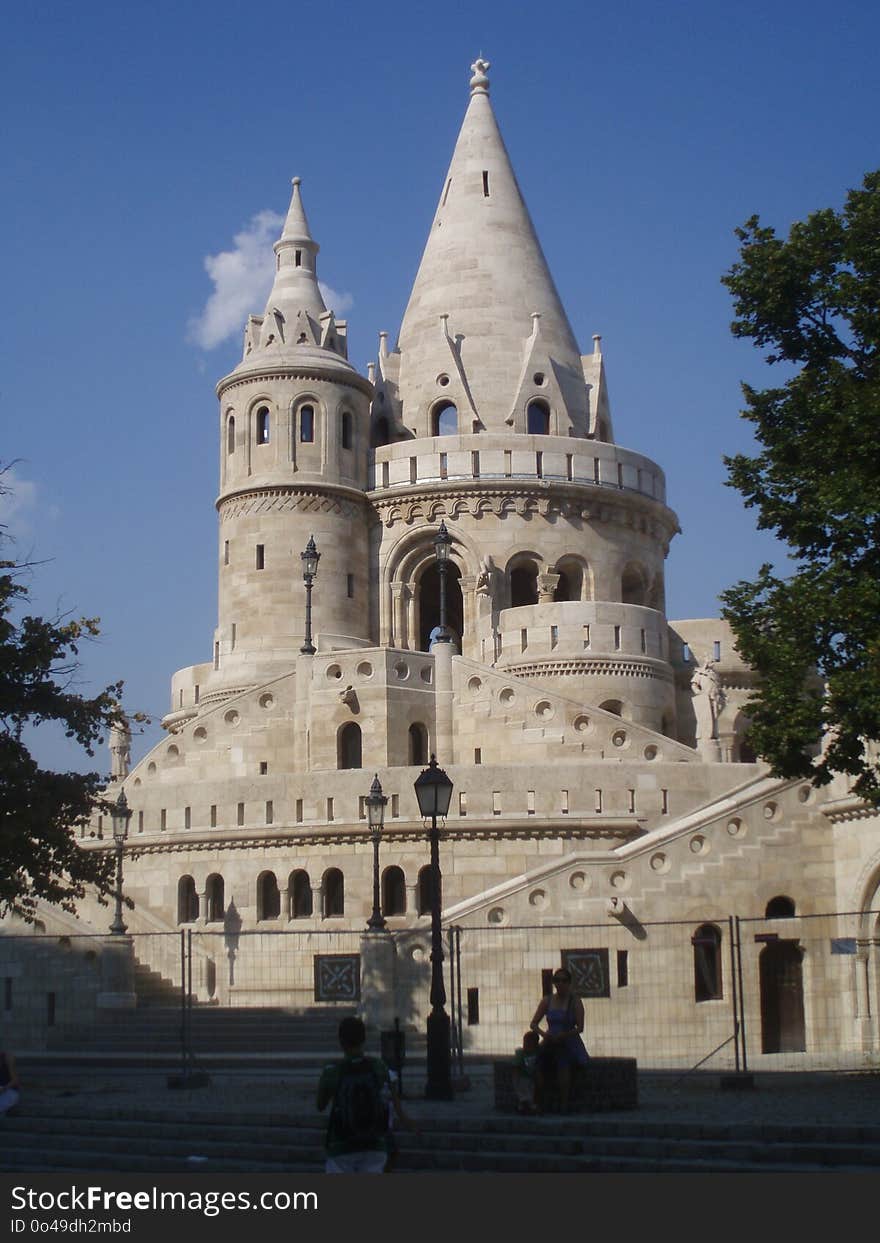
<point x="119" y="742"/>
<point x="708" y="700"/>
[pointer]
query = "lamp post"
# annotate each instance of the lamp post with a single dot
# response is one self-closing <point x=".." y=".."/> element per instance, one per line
<point x="310" y="559"/>
<point x="120" y="816"/>
<point x="442" y="543"/>
<point x="375" y="802"/>
<point x="434" y="790"/>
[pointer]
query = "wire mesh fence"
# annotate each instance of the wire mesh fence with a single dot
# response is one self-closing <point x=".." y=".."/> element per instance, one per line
<point x="778" y="992"/>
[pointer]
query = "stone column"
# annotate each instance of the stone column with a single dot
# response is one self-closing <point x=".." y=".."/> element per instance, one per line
<point x="443" y="653"/>
<point x="117" y="974"/>
<point x="317" y="906"/>
<point x="547" y="584"/>
<point x="303" y="716"/>
<point x="378" y="981"/>
<point x="398" y="628"/>
<point x="203" y="905"/>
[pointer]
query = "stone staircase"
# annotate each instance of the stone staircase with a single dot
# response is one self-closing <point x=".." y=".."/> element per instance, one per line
<point x="152" y="1034"/>
<point x="83" y="1136"/>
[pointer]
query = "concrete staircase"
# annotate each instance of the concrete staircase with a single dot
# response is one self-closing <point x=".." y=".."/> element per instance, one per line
<point x="82" y="1136"/>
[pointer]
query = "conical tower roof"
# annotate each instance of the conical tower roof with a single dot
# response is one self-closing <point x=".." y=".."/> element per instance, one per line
<point x="295" y="287"/>
<point x="484" y="271"/>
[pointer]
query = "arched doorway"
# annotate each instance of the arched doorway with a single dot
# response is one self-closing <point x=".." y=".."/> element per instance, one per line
<point x="429" y="603"/>
<point x="783" y="1029"/>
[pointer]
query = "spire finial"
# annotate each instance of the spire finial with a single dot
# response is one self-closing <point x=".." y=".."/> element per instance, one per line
<point x="480" y="81"/>
<point x="296" y="181"/>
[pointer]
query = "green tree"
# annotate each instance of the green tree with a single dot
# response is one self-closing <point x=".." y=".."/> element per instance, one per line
<point x="40" y="810"/>
<point x="812" y="301"/>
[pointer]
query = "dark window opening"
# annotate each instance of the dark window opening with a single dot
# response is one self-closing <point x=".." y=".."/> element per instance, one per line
<point x="268" y="896"/>
<point x="418" y="744"/>
<point x="349" y="586"/>
<point x="230" y="434"/>
<point x="348" y="746"/>
<point x="307" y="424"/>
<point x="300" y="895"/>
<point x="485" y="184"/>
<point x="263" y="426"/>
<point x="216" y="898"/>
<point x="622" y="968"/>
<point x="187" y="901"/>
<point x="707" y="963"/>
<point x="429" y="603"/>
<point x="537" y="419"/>
<point x="780" y="907"/>
<point x="333" y="893"/>
<point x="297" y="258"/>
<point x="393" y="892"/>
<point x="261" y="556"/>
<point x="473" y="1007"/>
<point x="524" y="584"/>
<point x="347" y="434"/>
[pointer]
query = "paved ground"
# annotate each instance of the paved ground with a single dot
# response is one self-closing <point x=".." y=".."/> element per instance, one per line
<point x="791" y="1099"/>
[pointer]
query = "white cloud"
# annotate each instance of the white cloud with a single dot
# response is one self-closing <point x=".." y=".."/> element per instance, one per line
<point x="242" y="279"/>
<point x="17" y="502"/>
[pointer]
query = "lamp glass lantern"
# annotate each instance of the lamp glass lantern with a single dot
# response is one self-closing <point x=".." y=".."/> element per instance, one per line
<point x="433" y="791"/>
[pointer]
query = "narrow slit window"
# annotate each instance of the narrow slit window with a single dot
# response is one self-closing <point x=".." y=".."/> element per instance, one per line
<point x="307" y="424"/>
<point x="716" y="650"/>
<point x="478" y="755"/>
<point x="240" y="814"/>
<point x="485" y="183"/>
<point x="270" y="811"/>
<point x="664" y="802"/>
<point x="617" y="638"/>
<point x="349" y="586"/>
<point x="586" y="636"/>
<point x="496" y="802"/>
<point x="187" y="817"/>
<point x="473" y="1007"/>
<point x="622" y="968"/>
<point x="213" y="815"/>
<point x="598" y="803"/>
<point x="226" y="552"/>
<point x="563" y="800"/>
<point x="263" y="426"/>
<point x="446" y="192"/>
<point x="462" y="803"/>
<point x="261" y="556"/>
<point x="299" y="810"/>
<point x="298" y="258"/>
<point x="530" y="802"/>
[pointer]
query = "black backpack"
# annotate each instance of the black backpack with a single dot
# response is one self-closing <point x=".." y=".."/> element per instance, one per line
<point x="359" y="1115"/>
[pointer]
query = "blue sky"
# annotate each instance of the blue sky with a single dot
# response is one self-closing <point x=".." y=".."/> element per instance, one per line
<point x="145" y="140"/>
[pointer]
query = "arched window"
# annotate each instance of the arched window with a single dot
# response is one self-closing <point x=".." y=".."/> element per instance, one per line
<point x="230" y="434"/>
<point x="307" y="424"/>
<point x="571" y="579"/>
<point x="418" y="744"/>
<point x="780" y="907"/>
<point x="333" y="893"/>
<point x="263" y="425"/>
<point x="216" y="897"/>
<point x="633" y="589"/>
<point x="346" y="435"/>
<point x="393" y="892"/>
<point x="299" y="895"/>
<point x="268" y="897"/>
<point x="707" y="963"/>
<point x="537" y="419"/>
<point x="444" y="420"/>
<point x="187" y="901"/>
<point x="424" y="890"/>
<point x="348" y="746"/>
<point x="524" y="584"/>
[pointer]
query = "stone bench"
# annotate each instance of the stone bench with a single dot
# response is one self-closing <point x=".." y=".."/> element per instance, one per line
<point x="605" y="1083"/>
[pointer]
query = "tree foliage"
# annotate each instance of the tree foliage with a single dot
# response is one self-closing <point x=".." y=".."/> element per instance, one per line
<point x="40" y="810"/>
<point x="812" y="302"/>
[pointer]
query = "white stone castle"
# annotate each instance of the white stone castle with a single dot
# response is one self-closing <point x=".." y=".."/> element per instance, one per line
<point x="598" y="751"/>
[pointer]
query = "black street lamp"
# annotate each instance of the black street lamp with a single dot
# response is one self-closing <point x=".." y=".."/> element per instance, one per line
<point x="434" y="790"/>
<point x="310" y="559"/>
<point x="442" y="544"/>
<point x="375" y="802"/>
<point x="120" y="816"/>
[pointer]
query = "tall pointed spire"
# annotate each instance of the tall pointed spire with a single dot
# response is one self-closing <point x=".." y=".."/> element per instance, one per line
<point x="481" y="279"/>
<point x="296" y="277"/>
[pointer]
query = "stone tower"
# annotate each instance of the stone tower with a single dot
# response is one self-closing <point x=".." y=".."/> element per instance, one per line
<point x="294" y="439"/>
<point x="488" y="415"/>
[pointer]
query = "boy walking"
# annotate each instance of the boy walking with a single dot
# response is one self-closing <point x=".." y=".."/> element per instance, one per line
<point x="359" y="1087"/>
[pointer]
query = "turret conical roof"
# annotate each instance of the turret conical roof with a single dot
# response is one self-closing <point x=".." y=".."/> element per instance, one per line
<point x="484" y="270"/>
